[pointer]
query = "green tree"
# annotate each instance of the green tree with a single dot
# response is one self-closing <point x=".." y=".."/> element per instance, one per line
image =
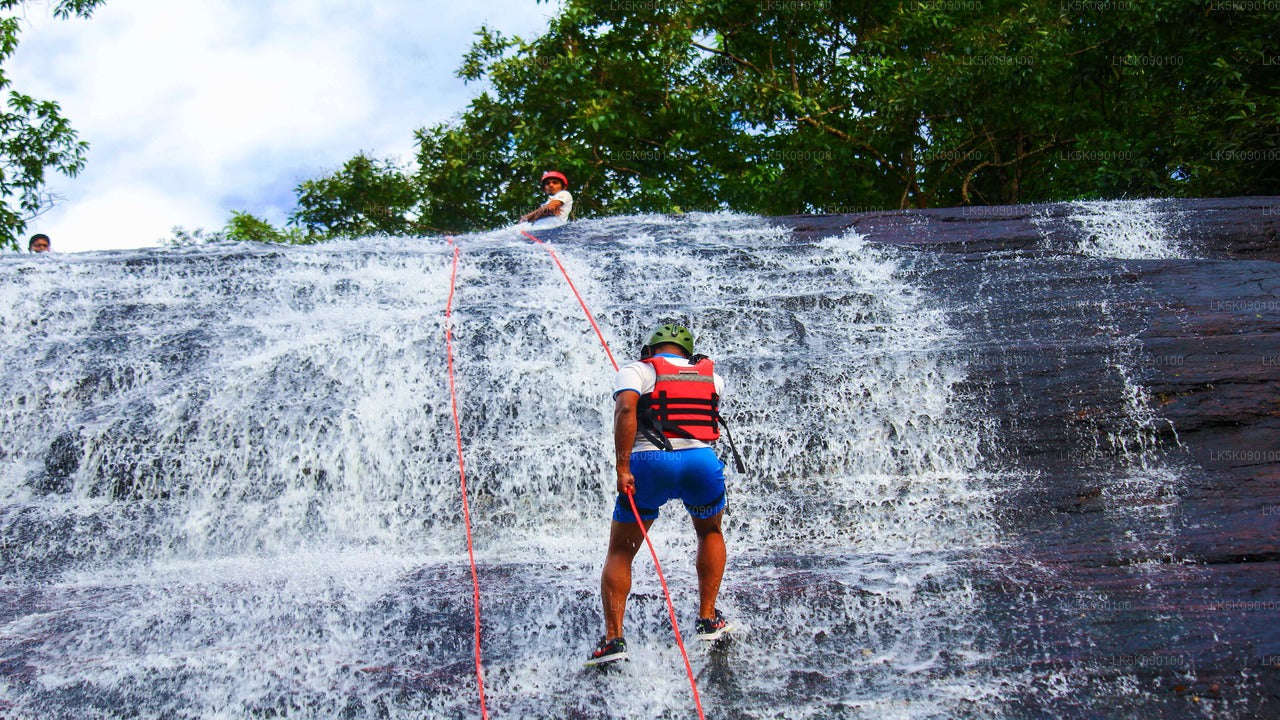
<point x="616" y="101"/>
<point x="244" y="227"/>
<point x="241" y="227"/>
<point x="795" y="106"/>
<point x="34" y="137"/>
<point x="365" y="197"/>
<point x="179" y="236"/>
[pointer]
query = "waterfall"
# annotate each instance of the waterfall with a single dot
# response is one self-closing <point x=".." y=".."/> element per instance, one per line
<point x="229" y="484"/>
<point x="1134" y="229"/>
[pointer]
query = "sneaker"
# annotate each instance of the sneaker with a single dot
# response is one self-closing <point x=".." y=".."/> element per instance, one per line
<point x="712" y="628"/>
<point x="608" y="651"/>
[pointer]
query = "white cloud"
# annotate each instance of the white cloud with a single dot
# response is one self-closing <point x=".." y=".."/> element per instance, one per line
<point x="144" y="211"/>
<point x="199" y="107"/>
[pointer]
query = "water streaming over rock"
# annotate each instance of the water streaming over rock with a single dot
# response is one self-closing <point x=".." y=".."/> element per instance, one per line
<point x="1136" y="230"/>
<point x="229" y="488"/>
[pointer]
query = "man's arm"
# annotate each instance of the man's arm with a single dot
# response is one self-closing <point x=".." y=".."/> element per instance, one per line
<point x="624" y="437"/>
<point x="551" y="207"/>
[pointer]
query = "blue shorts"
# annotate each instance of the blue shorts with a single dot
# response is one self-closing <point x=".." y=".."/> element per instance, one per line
<point x="696" y="476"/>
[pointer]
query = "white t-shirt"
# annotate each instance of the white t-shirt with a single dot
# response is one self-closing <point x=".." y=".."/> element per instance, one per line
<point x="641" y="377"/>
<point x="566" y="206"/>
<point x="562" y="213"/>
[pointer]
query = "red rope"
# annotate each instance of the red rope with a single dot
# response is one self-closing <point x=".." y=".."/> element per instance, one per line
<point x="671" y="608"/>
<point x="590" y="319"/>
<point x="462" y="475"/>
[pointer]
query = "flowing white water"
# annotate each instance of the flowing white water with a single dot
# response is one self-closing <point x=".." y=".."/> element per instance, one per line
<point x="1127" y="229"/>
<point x="228" y="485"/>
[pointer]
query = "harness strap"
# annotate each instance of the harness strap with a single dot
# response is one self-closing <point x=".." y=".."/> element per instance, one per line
<point x="737" y="459"/>
<point x="652" y="432"/>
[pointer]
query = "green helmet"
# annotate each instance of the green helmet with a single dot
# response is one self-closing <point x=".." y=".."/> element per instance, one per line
<point x="672" y="333"/>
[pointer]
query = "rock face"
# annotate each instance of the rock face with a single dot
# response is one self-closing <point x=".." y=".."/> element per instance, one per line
<point x="1226" y="228"/>
<point x="1137" y="384"/>
<point x="1011" y="462"/>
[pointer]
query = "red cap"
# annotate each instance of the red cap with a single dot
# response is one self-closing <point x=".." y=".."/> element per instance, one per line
<point x="554" y="174"/>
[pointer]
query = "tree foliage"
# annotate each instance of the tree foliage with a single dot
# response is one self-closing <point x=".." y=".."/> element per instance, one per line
<point x="366" y="197"/>
<point x="794" y="106"/>
<point x="34" y="137"/>
<point x="179" y="236"/>
<point x="244" y="227"/>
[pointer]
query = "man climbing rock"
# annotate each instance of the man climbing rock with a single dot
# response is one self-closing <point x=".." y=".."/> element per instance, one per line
<point x="665" y="415"/>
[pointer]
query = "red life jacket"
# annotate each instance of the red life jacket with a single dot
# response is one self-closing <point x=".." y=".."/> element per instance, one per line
<point x="683" y="404"/>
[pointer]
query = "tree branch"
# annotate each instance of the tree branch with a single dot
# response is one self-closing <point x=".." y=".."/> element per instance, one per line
<point x="964" y="189"/>
<point x="836" y="132"/>
<point x="724" y="53"/>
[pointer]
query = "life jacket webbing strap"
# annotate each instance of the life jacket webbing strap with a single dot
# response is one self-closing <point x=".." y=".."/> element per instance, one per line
<point x="655" y="436"/>
<point x="697" y="403"/>
<point x="674" y="416"/>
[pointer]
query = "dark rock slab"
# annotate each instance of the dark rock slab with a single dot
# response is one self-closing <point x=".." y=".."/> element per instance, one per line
<point x="1136" y="405"/>
<point x="1243" y="228"/>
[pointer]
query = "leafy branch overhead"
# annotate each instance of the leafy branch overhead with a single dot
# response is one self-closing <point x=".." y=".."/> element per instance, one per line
<point x="809" y="106"/>
<point x="34" y="137"/>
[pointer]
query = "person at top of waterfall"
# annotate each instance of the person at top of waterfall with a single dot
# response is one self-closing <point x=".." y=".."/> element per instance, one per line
<point x="555" y="211"/>
<point x="665" y="415"/>
<point x="39" y="243"/>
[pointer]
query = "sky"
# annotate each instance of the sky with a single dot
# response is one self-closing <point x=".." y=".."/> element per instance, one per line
<point x="195" y="108"/>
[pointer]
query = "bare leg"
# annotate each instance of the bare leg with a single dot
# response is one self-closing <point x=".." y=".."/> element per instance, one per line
<point x="615" y="581"/>
<point x="710" y="564"/>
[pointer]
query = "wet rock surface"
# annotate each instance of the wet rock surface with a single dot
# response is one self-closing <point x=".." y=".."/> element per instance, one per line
<point x="1137" y="402"/>
<point x="1062" y="503"/>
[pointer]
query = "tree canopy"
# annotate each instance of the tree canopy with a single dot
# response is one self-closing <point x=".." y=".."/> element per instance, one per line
<point x="803" y="106"/>
<point x="34" y="137"/>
